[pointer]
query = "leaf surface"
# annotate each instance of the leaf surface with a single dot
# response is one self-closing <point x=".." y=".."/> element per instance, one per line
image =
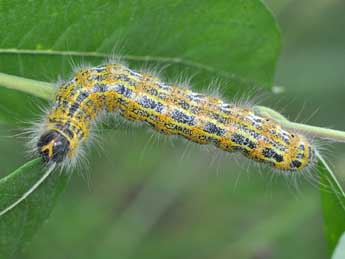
<point x="333" y="205"/>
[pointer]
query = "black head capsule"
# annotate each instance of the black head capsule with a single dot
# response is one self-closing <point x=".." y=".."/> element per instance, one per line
<point x="53" y="146"/>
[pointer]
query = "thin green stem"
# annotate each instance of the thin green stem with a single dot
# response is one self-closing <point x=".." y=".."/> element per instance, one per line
<point x="324" y="133"/>
<point x="45" y="90"/>
<point x="38" y="88"/>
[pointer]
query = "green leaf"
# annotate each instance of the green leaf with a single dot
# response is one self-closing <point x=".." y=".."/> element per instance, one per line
<point x="18" y="225"/>
<point x="235" y="42"/>
<point x="333" y="204"/>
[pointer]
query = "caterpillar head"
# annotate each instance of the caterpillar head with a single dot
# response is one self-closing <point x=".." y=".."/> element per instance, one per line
<point x="53" y="146"/>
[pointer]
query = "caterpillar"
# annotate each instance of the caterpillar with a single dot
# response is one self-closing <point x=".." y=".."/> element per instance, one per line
<point x="169" y="109"/>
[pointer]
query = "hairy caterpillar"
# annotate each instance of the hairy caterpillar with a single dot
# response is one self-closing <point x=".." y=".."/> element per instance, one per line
<point x="169" y="109"/>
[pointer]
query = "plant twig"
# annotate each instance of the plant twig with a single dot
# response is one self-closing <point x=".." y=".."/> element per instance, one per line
<point x="38" y="88"/>
<point x="324" y="133"/>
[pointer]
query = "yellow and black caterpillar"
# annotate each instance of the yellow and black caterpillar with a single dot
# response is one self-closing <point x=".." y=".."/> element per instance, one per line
<point x="169" y="109"/>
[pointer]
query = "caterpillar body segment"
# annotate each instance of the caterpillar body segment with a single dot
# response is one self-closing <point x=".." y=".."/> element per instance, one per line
<point x="169" y="109"/>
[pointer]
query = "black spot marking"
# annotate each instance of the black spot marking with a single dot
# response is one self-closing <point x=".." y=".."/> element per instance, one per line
<point x="183" y="131"/>
<point x="100" y="88"/>
<point x="254" y="134"/>
<point x="124" y="91"/>
<point x="241" y="140"/>
<point x="65" y="104"/>
<point x="183" y="118"/>
<point x="153" y="92"/>
<point x="147" y="102"/>
<point x="121" y="101"/>
<point x="270" y="153"/>
<point x="98" y="77"/>
<point x="214" y="129"/>
<point x="153" y="117"/>
<point x="218" y="117"/>
<point x="301" y="147"/>
<point x="195" y="109"/>
<point x="295" y="164"/>
<point x="74" y="107"/>
<point x="184" y="104"/>
<point x="159" y="108"/>
<point x="151" y="104"/>
<point x="203" y="138"/>
<point x="300" y="155"/>
<point x="82" y="96"/>
<point x="278" y="158"/>
<point x="170" y="125"/>
<point x="140" y="112"/>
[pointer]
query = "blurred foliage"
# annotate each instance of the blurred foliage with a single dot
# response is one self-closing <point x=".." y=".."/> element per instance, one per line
<point x="149" y="198"/>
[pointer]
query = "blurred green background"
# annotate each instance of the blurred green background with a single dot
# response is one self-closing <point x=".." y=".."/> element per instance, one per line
<point x="146" y="197"/>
